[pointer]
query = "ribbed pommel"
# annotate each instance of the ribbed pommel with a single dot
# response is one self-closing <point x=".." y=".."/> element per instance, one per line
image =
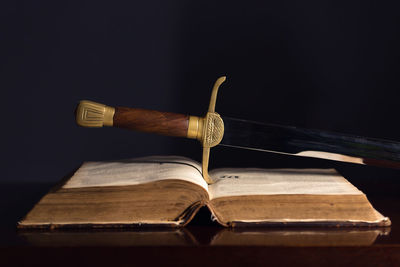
<point x="92" y="114"/>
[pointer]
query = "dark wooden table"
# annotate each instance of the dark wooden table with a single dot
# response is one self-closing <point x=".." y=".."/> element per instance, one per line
<point x="202" y="243"/>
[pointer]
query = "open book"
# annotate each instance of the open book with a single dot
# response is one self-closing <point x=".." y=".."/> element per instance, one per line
<point x="169" y="190"/>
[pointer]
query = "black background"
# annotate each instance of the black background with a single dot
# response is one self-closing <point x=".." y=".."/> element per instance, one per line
<point x="325" y="64"/>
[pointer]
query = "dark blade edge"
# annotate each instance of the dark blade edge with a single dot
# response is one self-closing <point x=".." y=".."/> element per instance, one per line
<point x="310" y="143"/>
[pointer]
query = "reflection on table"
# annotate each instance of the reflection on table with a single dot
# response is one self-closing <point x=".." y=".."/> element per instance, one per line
<point x="194" y="236"/>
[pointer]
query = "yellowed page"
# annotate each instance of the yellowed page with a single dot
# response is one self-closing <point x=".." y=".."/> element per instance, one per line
<point x="137" y="171"/>
<point x="238" y="182"/>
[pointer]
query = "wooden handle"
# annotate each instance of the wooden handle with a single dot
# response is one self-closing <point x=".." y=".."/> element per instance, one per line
<point x="151" y="121"/>
<point x="92" y="114"/>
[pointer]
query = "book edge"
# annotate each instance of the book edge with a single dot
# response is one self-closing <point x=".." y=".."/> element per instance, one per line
<point x="104" y="225"/>
<point x="183" y="219"/>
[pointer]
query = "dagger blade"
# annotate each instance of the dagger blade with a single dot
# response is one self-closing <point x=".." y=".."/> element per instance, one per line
<point x="310" y="143"/>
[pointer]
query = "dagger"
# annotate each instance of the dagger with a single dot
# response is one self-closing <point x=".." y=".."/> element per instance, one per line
<point x="212" y="130"/>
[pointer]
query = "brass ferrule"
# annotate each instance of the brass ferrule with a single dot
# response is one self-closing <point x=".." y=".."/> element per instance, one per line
<point x="92" y="114"/>
<point x="108" y="119"/>
<point x="195" y="129"/>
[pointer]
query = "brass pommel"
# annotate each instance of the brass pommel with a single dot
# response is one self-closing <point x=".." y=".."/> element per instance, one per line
<point x="92" y="114"/>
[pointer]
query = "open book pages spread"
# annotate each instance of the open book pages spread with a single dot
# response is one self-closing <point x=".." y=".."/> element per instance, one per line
<point x="137" y="171"/>
<point x="240" y="182"/>
<point x="227" y="182"/>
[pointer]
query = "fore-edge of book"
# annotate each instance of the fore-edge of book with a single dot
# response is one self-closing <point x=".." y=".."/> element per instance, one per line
<point x="169" y="190"/>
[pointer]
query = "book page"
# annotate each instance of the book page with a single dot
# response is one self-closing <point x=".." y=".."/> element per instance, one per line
<point x="239" y="182"/>
<point x="137" y="171"/>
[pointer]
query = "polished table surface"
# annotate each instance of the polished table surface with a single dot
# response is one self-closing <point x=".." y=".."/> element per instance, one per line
<point x="201" y="243"/>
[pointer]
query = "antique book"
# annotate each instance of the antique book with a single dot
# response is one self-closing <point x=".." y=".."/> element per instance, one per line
<point x="169" y="190"/>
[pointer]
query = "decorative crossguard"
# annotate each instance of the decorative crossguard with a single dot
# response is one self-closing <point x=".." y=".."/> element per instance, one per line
<point x="209" y="130"/>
